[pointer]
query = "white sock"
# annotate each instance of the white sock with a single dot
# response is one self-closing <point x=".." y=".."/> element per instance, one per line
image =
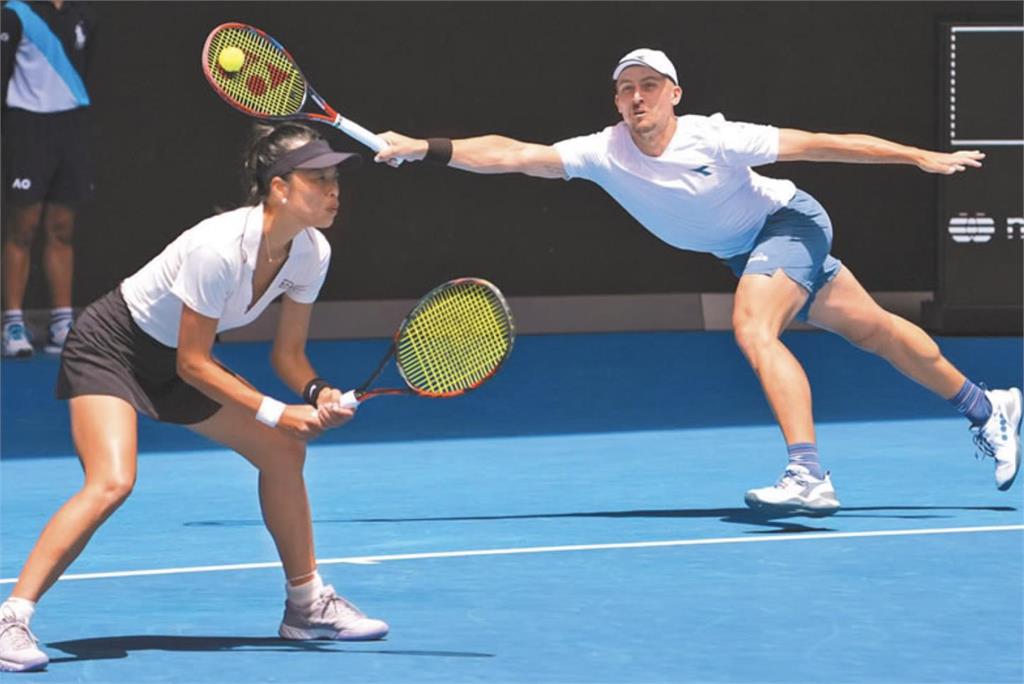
<point x="303" y="595"/>
<point x="60" y="314"/>
<point x="23" y="609"/>
<point x="13" y="316"/>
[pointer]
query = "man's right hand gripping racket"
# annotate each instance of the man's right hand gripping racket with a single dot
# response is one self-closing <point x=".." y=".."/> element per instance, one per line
<point x="253" y="73"/>
<point x="453" y="340"/>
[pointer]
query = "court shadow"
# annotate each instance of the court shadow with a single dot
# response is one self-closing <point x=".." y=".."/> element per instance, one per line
<point x="780" y="523"/>
<point x="108" y="648"/>
<point x="742" y="516"/>
<point x="730" y="515"/>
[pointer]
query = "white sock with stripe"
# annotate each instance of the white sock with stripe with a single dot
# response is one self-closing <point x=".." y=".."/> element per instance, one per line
<point x="303" y="595"/>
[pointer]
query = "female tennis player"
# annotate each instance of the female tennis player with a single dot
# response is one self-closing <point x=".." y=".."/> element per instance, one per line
<point x="689" y="180"/>
<point x="146" y="347"/>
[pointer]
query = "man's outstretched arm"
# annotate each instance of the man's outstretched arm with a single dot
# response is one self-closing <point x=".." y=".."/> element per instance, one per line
<point x="486" y="154"/>
<point x="796" y="145"/>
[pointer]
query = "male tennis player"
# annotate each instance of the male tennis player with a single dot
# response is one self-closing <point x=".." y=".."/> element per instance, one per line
<point x="689" y="181"/>
<point x="147" y="347"/>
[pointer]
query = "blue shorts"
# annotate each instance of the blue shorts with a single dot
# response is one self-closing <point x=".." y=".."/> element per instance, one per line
<point x="796" y="238"/>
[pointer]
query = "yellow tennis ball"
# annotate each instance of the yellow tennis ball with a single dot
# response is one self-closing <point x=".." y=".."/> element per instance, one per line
<point x="231" y="59"/>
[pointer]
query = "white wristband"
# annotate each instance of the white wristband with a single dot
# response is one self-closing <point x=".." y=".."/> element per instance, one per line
<point x="270" y="411"/>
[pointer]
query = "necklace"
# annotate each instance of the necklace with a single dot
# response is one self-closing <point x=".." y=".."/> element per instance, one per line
<point x="270" y="259"/>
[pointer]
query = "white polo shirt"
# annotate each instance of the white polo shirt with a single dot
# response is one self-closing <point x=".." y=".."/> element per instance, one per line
<point x="701" y="193"/>
<point x="210" y="266"/>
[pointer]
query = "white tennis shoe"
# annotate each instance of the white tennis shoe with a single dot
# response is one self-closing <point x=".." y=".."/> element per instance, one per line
<point x="15" y="342"/>
<point x="58" y="334"/>
<point x="797" y="491"/>
<point x="18" y="649"/>
<point x="999" y="437"/>
<point x="330" y="617"/>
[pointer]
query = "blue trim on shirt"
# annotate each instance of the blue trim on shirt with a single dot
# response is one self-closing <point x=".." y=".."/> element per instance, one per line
<point x="37" y="30"/>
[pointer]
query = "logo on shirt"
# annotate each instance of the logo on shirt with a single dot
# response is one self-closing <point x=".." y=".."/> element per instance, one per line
<point x="703" y="170"/>
<point x="22" y="183"/>
<point x="79" y="36"/>
<point x="286" y="284"/>
<point x="5" y="37"/>
<point x="757" y="256"/>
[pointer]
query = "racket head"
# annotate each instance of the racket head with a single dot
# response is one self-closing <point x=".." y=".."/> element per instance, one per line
<point x="269" y="84"/>
<point x="455" y="338"/>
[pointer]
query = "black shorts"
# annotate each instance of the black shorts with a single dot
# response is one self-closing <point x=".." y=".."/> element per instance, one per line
<point x="107" y="353"/>
<point x="46" y="157"/>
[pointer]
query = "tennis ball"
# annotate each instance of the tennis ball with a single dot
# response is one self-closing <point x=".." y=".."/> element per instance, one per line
<point x="231" y="59"/>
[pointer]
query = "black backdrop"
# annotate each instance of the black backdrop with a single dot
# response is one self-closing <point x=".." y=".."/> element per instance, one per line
<point x="169" y="150"/>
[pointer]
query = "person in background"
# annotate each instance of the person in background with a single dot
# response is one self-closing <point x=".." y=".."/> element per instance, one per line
<point x="45" y="52"/>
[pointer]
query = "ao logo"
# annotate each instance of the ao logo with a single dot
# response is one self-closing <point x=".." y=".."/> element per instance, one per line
<point x="22" y="183"/>
<point x="977" y="228"/>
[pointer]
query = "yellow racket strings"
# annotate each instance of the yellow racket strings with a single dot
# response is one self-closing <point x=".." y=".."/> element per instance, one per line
<point x="268" y="83"/>
<point x="455" y="341"/>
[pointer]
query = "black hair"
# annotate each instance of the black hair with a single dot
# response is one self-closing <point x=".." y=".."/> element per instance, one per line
<point x="268" y="143"/>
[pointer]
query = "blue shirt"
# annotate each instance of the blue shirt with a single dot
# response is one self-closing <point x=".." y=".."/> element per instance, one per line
<point x="45" y="55"/>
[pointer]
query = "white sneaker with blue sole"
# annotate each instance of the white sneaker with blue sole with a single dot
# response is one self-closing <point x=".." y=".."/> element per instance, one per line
<point x="999" y="437"/>
<point x="796" y="492"/>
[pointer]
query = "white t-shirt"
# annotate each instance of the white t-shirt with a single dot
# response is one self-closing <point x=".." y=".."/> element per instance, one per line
<point x="700" y="194"/>
<point x="210" y="266"/>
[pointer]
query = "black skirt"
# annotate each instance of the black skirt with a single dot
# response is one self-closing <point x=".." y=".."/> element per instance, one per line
<point x="107" y="353"/>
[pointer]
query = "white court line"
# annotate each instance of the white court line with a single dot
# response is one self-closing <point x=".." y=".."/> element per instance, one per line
<point x="988" y="29"/>
<point x="368" y="560"/>
<point x="1000" y="142"/>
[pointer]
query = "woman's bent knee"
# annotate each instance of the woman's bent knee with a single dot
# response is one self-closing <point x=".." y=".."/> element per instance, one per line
<point x="283" y="454"/>
<point x="110" y="492"/>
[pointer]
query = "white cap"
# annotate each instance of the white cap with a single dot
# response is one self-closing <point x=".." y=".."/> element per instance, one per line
<point x="655" y="59"/>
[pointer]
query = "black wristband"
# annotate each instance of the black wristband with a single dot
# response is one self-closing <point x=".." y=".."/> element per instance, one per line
<point x="439" y="151"/>
<point x="313" y="389"/>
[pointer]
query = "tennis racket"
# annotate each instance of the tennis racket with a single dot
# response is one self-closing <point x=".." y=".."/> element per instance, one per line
<point x="454" y="339"/>
<point x="267" y="83"/>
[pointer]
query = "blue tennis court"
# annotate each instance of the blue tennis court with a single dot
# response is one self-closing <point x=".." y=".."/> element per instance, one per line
<point x="580" y="518"/>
